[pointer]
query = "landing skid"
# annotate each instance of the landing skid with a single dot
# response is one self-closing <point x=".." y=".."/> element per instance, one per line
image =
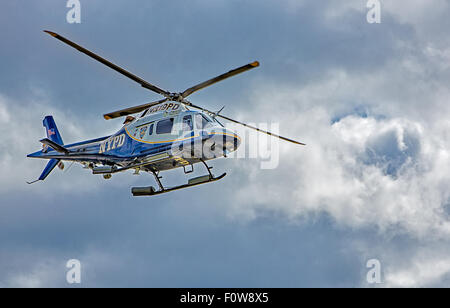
<point x="150" y="190"/>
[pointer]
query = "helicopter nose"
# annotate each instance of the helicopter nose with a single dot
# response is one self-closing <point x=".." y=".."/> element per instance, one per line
<point x="236" y="141"/>
<point x="229" y="140"/>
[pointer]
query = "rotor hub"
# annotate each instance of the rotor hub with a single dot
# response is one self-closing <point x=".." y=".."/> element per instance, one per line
<point x="176" y="97"/>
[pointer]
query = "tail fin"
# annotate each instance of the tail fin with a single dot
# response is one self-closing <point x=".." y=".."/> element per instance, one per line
<point x="53" y="135"/>
<point x="52" y="130"/>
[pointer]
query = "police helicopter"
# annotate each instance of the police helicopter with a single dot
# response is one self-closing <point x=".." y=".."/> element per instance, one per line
<point x="167" y="134"/>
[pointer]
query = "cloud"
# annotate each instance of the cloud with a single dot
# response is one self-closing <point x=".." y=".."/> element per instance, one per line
<point x="422" y="271"/>
<point x="41" y="275"/>
<point x="377" y="155"/>
<point x="39" y="268"/>
<point x="370" y="101"/>
<point x="388" y="173"/>
<point x="389" y="169"/>
<point x="22" y="131"/>
<point x="426" y="17"/>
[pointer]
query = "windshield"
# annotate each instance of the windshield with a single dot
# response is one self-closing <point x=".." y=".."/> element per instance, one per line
<point x="201" y="121"/>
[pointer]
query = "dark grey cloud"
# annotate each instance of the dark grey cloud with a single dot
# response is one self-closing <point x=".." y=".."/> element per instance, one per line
<point x="170" y="241"/>
<point x="176" y="45"/>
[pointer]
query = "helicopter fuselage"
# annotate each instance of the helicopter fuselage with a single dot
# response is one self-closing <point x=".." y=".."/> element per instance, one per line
<point x="167" y="137"/>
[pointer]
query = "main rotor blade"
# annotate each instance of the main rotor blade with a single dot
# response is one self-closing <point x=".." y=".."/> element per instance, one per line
<point x="260" y="130"/>
<point x="231" y="73"/>
<point x="139" y="80"/>
<point x="246" y="125"/>
<point x="131" y="110"/>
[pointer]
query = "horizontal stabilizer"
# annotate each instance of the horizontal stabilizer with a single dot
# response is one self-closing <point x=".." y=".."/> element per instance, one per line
<point x="55" y="146"/>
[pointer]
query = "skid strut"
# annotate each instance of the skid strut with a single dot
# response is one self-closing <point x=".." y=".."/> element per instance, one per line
<point x="150" y="190"/>
<point x="158" y="180"/>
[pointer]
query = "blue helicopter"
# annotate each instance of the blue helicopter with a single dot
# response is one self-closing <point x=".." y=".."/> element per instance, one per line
<point x="167" y="134"/>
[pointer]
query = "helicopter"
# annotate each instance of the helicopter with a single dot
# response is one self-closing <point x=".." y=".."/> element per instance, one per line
<point x="156" y="136"/>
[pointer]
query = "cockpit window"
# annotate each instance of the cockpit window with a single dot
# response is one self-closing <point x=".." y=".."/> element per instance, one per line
<point x="206" y="118"/>
<point x="187" y="123"/>
<point x="212" y="119"/>
<point x="201" y="121"/>
<point x="215" y="120"/>
<point x="164" y="126"/>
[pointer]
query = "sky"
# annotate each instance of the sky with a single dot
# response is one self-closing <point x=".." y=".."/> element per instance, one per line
<point x="371" y="101"/>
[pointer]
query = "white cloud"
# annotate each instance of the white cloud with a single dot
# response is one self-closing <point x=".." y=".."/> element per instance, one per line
<point x="21" y="132"/>
<point x="424" y="15"/>
<point x="377" y="154"/>
<point x="423" y="271"/>
<point x="44" y="270"/>
<point x="41" y="275"/>
<point x="361" y="171"/>
<point x="378" y="149"/>
<point x="388" y="168"/>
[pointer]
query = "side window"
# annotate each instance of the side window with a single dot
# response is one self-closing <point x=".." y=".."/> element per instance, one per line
<point x="187" y="123"/>
<point x="150" y="129"/>
<point x="164" y="126"/>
